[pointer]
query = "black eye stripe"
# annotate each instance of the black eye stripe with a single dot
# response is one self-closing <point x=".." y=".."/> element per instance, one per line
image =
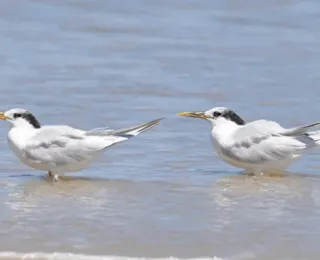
<point x="16" y="115"/>
<point x="216" y="114"/>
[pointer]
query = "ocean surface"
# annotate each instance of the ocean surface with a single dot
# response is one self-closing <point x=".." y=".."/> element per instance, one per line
<point x="164" y="194"/>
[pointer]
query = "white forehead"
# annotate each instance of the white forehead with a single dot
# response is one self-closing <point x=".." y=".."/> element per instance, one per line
<point x="15" y="110"/>
<point x="218" y="109"/>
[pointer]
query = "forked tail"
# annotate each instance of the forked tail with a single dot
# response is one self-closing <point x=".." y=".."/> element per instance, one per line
<point x="133" y="131"/>
<point x="125" y="133"/>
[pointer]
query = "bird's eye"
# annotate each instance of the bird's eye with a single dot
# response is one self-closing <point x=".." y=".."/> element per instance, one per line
<point x="16" y="115"/>
<point x="216" y="114"/>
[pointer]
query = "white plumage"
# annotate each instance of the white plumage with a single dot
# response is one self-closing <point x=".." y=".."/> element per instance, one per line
<point x="260" y="146"/>
<point x="60" y="149"/>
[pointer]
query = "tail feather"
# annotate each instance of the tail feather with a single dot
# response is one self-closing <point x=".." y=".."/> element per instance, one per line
<point x="127" y="132"/>
<point x="134" y="131"/>
<point x="315" y="136"/>
<point x="301" y="130"/>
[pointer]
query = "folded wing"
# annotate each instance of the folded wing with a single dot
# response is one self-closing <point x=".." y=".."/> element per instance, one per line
<point x="61" y="145"/>
<point x="263" y="141"/>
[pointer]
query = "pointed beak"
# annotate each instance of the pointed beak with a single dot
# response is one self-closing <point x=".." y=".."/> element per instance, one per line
<point x="3" y="117"/>
<point x="194" y="114"/>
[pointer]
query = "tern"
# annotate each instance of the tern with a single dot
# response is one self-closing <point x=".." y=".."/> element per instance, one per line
<point x="59" y="149"/>
<point x="260" y="146"/>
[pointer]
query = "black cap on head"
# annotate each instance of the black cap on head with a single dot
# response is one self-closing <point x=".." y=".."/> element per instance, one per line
<point x="232" y="116"/>
<point x="30" y="118"/>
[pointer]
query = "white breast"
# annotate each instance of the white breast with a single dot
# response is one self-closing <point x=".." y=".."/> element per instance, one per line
<point x="17" y="138"/>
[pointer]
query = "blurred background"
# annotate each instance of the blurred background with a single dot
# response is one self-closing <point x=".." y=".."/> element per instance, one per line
<point x="165" y="193"/>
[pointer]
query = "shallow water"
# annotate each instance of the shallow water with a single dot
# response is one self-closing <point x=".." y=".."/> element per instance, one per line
<point x="164" y="193"/>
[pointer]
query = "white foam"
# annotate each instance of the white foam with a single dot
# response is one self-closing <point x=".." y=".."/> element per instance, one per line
<point x="70" y="256"/>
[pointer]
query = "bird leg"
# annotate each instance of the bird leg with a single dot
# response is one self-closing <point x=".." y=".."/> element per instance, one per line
<point x="53" y="176"/>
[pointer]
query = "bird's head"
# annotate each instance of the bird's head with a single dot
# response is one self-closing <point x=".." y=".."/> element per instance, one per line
<point x="19" y="117"/>
<point x="217" y="116"/>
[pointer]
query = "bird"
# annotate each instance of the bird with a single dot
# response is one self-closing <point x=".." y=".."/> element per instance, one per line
<point x="260" y="146"/>
<point x="59" y="149"/>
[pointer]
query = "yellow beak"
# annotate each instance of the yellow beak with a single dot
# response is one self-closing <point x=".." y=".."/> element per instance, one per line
<point x="3" y="117"/>
<point x="194" y="114"/>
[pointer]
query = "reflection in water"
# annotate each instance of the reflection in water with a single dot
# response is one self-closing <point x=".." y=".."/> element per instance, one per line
<point x="104" y="63"/>
<point x="77" y="189"/>
<point x="40" y="196"/>
<point x="268" y="208"/>
<point x="75" y="205"/>
<point x="273" y="187"/>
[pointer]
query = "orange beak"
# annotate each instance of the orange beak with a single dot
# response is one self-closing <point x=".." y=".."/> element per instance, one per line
<point x="200" y="115"/>
<point x="3" y="117"/>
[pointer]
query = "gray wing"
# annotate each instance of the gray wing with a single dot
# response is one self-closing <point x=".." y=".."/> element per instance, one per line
<point x="61" y="145"/>
<point x="262" y="141"/>
<point x="254" y="129"/>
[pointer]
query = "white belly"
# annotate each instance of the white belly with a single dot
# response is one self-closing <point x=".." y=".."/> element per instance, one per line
<point x="268" y="166"/>
<point x="19" y="153"/>
<point x="58" y="169"/>
<point x="257" y="168"/>
<point x="55" y="167"/>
